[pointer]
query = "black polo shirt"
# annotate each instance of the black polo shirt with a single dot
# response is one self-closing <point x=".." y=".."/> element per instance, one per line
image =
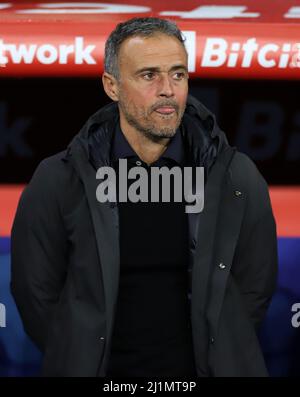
<point x="152" y="331"/>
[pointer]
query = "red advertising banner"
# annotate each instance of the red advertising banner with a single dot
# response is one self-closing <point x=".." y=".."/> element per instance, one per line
<point x="236" y="39"/>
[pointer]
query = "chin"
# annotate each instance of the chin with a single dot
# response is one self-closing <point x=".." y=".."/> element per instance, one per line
<point x="163" y="133"/>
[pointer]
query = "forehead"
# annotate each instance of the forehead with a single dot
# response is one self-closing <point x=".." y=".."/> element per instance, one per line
<point x="158" y="50"/>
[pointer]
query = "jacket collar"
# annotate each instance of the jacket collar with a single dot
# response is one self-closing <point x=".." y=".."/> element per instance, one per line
<point x="201" y="134"/>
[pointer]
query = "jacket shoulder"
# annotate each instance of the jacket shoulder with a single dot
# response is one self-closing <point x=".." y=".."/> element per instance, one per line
<point x="247" y="178"/>
<point x="50" y="179"/>
<point x="50" y="168"/>
<point x="52" y="163"/>
<point x="246" y="171"/>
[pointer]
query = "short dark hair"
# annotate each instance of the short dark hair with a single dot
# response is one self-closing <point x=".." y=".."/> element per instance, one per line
<point x="144" y="27"/>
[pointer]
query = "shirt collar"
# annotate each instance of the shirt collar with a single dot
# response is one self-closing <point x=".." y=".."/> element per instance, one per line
<point x="122" y="149"/>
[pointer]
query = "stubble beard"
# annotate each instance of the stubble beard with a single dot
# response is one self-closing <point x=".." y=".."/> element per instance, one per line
<point x="141" y="121"/>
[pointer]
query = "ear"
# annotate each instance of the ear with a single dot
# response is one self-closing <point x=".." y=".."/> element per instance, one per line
<point x="110" y="86"/>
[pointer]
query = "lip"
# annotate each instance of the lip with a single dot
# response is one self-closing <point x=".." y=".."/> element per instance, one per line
<point x="165" y="110"/>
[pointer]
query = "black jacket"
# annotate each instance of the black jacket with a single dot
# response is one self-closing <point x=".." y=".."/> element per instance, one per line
<point x="65" y="254"/>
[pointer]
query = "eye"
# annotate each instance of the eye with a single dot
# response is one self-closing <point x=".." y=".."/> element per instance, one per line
<point x="149" y="76"/>
<point x="179" y="75"/>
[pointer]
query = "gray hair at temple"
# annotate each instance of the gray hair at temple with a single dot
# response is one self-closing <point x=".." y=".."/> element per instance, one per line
<point x="144" y="27"/>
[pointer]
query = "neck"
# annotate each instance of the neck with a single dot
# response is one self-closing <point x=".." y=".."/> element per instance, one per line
<point x="147" y="149"/>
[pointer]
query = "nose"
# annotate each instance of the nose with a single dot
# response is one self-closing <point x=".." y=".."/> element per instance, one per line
<point x="165" y="86"/>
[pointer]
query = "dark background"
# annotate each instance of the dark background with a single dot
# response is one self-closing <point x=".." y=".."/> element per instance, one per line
<point x="39" y="117"/>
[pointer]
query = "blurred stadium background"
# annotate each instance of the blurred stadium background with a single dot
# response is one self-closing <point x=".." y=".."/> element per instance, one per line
<point x="244" y="65"/>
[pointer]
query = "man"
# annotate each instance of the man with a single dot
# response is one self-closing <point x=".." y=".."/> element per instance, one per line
<point x="145" y="288"/>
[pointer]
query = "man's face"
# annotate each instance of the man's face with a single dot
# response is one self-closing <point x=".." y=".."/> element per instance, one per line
<point x="153" y="85"/>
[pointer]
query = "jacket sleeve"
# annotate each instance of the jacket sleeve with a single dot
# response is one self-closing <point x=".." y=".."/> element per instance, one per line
<point x="259" y="282"/>
<point x="256" y="269"/>
<point x="38" y="253"/>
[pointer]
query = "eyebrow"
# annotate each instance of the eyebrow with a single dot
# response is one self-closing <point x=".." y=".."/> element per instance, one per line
<point x="157" y="69"/>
